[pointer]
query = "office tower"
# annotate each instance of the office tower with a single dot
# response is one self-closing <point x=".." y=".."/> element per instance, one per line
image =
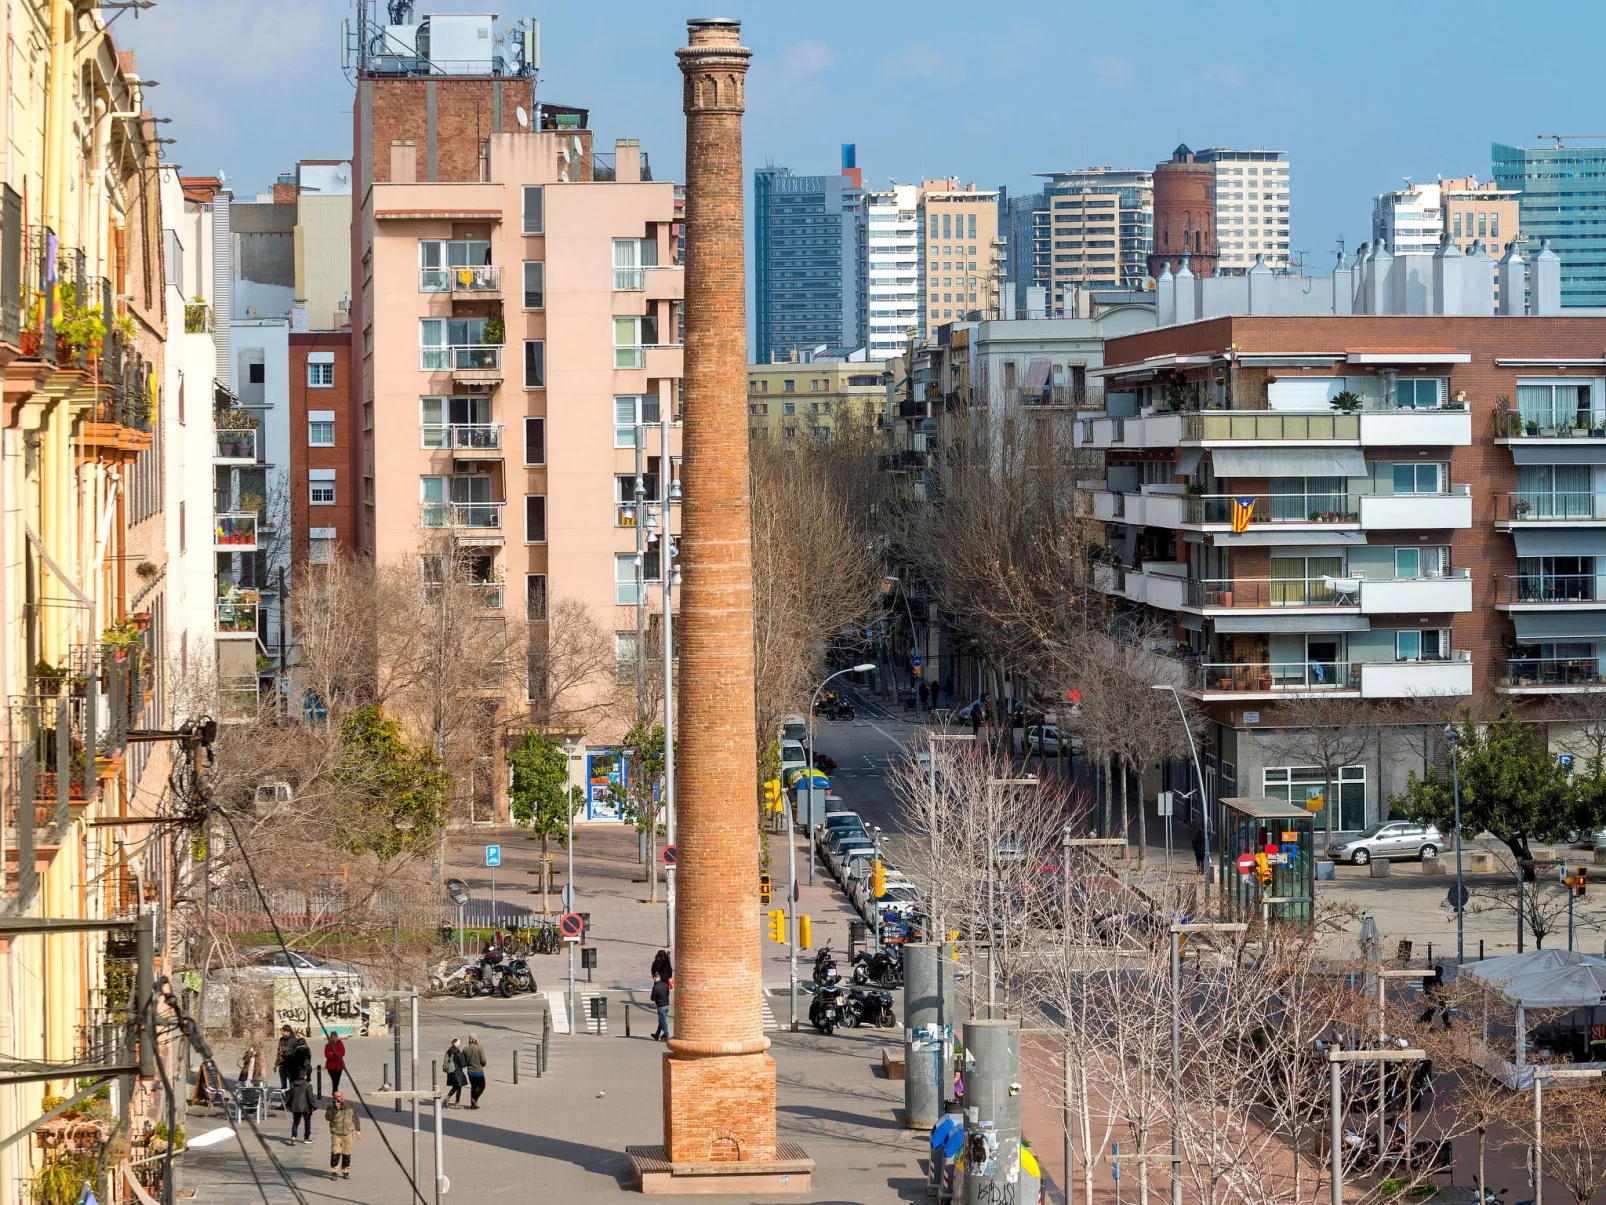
<point x="1561" y="191"/>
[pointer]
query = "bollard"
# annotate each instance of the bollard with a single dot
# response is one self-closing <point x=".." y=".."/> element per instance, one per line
<point x="395" y="1032"/>
<point x="515" y="1066"/>
<point x="627" y="1018"/>
<point x="433" y="1085"/>
<point x="320" y="1081"/>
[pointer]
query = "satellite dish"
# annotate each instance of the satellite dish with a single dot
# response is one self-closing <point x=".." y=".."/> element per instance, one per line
<point x="220" y="176"/>
<point x="524" y="118"/>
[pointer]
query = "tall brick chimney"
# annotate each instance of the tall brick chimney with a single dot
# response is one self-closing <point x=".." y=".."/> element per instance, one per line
<point x="719" y="1080"/>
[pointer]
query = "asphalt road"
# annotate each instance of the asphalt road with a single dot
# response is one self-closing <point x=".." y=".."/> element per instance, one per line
<point x="865" y="749"/>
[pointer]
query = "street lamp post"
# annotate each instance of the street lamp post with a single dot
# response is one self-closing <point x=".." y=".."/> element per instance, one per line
<point x="791" y="831"/>
<point x="1336" y="1139"/>
<point x="1204" y="799"/>
<point x="1177" y="930"/>
<point x="1453" y="739"/>
<point x="1541" y="1074"/>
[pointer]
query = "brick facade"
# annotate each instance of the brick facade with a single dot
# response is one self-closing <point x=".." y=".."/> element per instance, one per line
<point x="305" y="398"/>
<point x="719" y="1082"/>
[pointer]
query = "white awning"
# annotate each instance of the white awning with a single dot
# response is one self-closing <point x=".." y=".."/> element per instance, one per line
<point x="1437" y="356"/>
<point x="1288" y="462"/>
<point x="1536" y="626"/>
<point x="1268" y="535"/>
<point x="1576" y="541"/>
<point x="1188" y="461"/>
<point x="1570" y="453"/>
<point x="1264" y="621"/>
<point x="1036" y="376"/>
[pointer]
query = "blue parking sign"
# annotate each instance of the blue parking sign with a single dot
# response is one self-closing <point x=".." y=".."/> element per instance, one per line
<point x="493" y="855"/>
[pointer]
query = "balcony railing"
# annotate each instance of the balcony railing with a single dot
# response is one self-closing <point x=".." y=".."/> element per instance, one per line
<point x="1276" y="675"/>
<point x="1558" y="588"/>
<point x="1570" y="506"/>
<point x="1224" y="425"/>
<point x="462" y="356"/>
<point x="1242" y="593"/>
<point x="629" y="280"/>
<point x="1317" y="507"/>
<point x="237" y="615"/>
<point x="197" y="317"/>
<point x="236" y="531"/>
<point x="480" y="515"/>
<point x="461" y="278"/>
<point x="1551" y="671"/>
<point x="462" y="437"/>
<point x="1555" y="424"/>
<point x="237" y="444"/>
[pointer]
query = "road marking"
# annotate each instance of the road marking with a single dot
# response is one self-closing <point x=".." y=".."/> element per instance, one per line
<point x="557" y="998"/>
<point x="769" y="1015"/>
<point x="886" y="734"/>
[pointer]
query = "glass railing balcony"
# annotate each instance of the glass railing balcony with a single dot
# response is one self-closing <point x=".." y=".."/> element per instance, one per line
<point x="1561" y="589"/>
<point x="237" y="444"/>
<point x="1246" y="425"/>
<point x="1241" y="593"/>
<point x="462" y="437"/>
<point x="236" y="531"/>
<point x="1275" y="675"/>
<point x="460" y="357"/>
<point x="1570" y="506"/>
<point x="1536" y="672"/>
<point x="1318" y="507"/>
<point x="1554" y="424"/>
<point x="236" y="615"/>
<point x="461" y="514"/>
<point x="629" y="280"/>
<point x="461" y="278"/>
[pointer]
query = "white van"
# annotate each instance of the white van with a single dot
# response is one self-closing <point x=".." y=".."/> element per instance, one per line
<point x="793" y="756"/>
<point x="795" y="728"/>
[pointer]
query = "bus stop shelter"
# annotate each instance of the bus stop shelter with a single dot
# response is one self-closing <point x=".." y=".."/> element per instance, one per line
<point x="1285" y="832"/>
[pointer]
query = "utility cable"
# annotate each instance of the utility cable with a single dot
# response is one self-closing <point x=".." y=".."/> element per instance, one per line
<point x="278" y="936"/>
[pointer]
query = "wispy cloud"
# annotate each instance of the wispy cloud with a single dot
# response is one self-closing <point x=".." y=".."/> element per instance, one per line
<point x="791" y="84"/>
<point x="1112" y="70"/>
<point x="919" y="61"/>
<point x="1229" y="75"/>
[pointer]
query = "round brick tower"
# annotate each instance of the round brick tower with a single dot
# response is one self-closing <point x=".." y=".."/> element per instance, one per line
<point x="719" y="1080"/>
<point x="1184" y="215"/>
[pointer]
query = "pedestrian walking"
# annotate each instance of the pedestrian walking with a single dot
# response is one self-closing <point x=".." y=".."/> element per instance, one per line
<point x="282" y="1059"/>
<point x="660" y="1001"/>
<point x="251" y="1065"/>
<point x="662" y="968"/>
<point x="334" y="1060"/>
<point x="302" y="1104"/>
<point x="300" y="1058"/>
<point x="1199" y="848"/>
<point x="344" y="1125"/>
<point x="456" y="1078"/>
<point x="474" y="1064"/>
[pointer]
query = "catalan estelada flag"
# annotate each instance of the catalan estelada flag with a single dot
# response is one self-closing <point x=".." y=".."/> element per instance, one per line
<point x="1243" y="513"/>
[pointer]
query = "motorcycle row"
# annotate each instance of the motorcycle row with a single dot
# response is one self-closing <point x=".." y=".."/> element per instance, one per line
<point x="834" y="1005"/>
<point x="493" y="974"/>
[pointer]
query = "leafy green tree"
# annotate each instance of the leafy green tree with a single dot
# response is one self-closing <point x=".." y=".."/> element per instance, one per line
<point x="1511" y="785"/>
<point x="541" y="799"/>
<point x="395" y="795"/>
<point x="640" y="798"/>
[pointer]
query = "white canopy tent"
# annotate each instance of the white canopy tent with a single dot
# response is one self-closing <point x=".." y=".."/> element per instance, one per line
<point x="1542" y="979"/>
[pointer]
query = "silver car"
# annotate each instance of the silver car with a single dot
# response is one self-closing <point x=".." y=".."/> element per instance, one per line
<point x="1388" y="839"/>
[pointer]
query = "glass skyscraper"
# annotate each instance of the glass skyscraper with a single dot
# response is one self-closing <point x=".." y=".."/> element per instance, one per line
<point x="809" y="242"/>
<point x="1563" y="198"/>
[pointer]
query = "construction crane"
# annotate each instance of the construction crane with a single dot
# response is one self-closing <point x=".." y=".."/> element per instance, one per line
<point x="1559" y="137"/>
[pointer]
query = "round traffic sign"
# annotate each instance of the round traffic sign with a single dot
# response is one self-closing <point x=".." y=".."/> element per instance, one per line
<point x="1246" y="863"/>
<point x="1458" y="896"/>
<point x="669" y="855"/>
<point x="571" y="925"/>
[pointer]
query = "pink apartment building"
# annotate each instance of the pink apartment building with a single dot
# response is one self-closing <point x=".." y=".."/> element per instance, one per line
<point x="518" y="445"/>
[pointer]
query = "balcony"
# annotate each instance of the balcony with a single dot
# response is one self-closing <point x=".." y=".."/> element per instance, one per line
<point x="1161" y="585"/>
<point x="665" y="282"/>
<point x="1548" y="591"/>
<point x="1418" y="679"/>
<point x="1252" y="426"/>
<point x="665" y="360"/>
<point x="466" y="361"/>
<point x="481" y="516"/>
<point x="1325" y="594"/>
<point x="1430" y="512"/>
<point x="236" y="446"/>
<point x="474" y="280"/>
<point x="1450" y="592"/>
<point x="237" y="616"/>
<point x="462" y="439"/>
<point x="1547" y="675"/>
<point x="1557" y="427"/>
<point x="1531" y="508"/>
<point x="235" y="531"/>
<point x="1322" y="509"/>
<point x="197" y="318"/>
<point x="1396" y="427"/>
<point x="1267" y="680"/>
<point x="629" y="280"/>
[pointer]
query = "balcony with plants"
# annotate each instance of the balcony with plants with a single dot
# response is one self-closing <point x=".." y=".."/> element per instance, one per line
<point x="236" y="437"/>
<point x="1553" y="412"/>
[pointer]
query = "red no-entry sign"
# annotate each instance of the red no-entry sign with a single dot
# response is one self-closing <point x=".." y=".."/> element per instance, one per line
<point x="571" y="926"/>
<point x="1246" y="864"/>
<point x="669" y="855"/>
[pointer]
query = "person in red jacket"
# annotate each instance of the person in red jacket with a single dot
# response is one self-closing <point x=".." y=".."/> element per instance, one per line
<point x="334" y="1061"/>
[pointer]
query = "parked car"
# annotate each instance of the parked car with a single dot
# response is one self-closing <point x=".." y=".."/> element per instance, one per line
<point x="1045" y="738"/>
<point x="1388" y="839"/>
<point x="859" y="889"/>
<point x="795" y="728"/>
<point x="842" y="849"/>
<point x="837" y="819"/>
<point x="901" y="899"/>
<point x="793" y="757"/>
<point x="271" y="962"/>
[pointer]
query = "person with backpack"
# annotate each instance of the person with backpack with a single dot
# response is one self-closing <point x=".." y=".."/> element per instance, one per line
<point x="456" y="1079"/>
<point x="301" y="1105"/>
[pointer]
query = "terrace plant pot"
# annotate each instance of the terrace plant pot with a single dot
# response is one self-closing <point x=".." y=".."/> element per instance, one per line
<point x="1265" y="683"/>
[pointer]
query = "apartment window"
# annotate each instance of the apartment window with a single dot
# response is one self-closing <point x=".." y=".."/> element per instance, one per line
<point x="934" y="226"/>
<point x="256" y="373"/>
<point x="534" y="441"/>
<point x="320" y="428"/>
<point x="321" y="483"/>
<point x="534" y="284"/>
<point x="535" y="364"/>
<point x="624" y="653"/>
<point x="788" y="386"/>
<point x="535" y="598"/>
<point x="437" y="259"/>
<point x="1418" y="479"/>
<point x="182" y="534"/>
<point x="628" y="411"/>
<point x="1494" y="225"/>
<point x="534" y="210"/>
<point x="535" y="518"/>
<point x="1419" y="393"/>
<point x="1413" y="562"/>
<point x="454" y="343"/>
<point x="321" y="546"/>
<point x="457" y="422"/>
<point x="814" y="386"/>
<point x="630" y="337"/>
<point x="1296" y="784"/>
<point x="1425" y="644"/>
<point x="972" y="225"/>
<point x="624" y="586"/>
<point x="791" y="407"/>
<point x="1483" y="225"/>
<point x="321" y="370"/>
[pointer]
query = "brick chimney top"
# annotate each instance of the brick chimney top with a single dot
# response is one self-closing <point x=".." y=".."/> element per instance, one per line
<point x="713" y="31"/>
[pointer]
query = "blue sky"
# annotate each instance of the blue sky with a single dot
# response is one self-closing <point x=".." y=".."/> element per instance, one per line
<point x="1359" y="95"/>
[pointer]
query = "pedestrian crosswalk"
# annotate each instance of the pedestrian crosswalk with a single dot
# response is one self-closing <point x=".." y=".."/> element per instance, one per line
<point x="769" y="1014"/>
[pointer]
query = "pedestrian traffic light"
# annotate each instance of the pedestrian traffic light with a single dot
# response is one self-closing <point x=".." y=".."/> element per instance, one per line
<point x="1580" y="882"/>
<point x="764" y="889"/>
<point x="777" y="924"/>
<point x="772" y="794"/>
<point x="805" y="933"/>
<point x="878" y="878"/>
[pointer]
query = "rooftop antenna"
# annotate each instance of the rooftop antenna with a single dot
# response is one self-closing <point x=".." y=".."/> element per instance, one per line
<point x="1559" y="137"/>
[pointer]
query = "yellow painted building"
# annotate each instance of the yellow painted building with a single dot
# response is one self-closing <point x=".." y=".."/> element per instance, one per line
<point x="82" y="326"/>
<point x="803" y="401"/>
<point x="964" y="256"/>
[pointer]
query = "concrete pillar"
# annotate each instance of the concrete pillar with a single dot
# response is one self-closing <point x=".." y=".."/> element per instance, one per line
<point x="929" y="1015"/>
<point x="1546" y="296"/>
<point x="992" y="1111"/>
<point x="719" y="1080"/>
<point x="1513" y="282"/>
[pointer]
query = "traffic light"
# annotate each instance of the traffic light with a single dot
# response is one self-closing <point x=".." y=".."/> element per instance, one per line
<point x="772" y="794"/>
<point x="805" y="933"/>
<point x="777" y="924"/>
<point x="1182" y="946"/>
<point x="1263" y="869"/>
<point x="878" y="878"/>
<point x="764" y="889"/>
<point x="1580" y="882"/>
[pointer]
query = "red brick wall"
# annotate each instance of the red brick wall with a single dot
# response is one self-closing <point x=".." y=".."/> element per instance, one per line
<point x="463" y="120"/>
<point x="342" y="515"/>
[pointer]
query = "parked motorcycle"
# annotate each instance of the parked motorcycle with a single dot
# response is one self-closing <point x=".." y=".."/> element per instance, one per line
<point x="829" y="1008"/>
<point x="824" y="965"/>
<point x="477" y="980"/>
<point x="884" y="968"/>
<point x="869" y="1006"/>
<point x="516" y="977"/>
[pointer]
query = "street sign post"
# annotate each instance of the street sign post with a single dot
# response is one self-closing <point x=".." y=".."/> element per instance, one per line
<point x="1458" y="896"/>
<point x="668" y="855"/>
<point x="493" y="859"/>
<point x="1246" y="864"/>
<point x="571" y="926"/>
